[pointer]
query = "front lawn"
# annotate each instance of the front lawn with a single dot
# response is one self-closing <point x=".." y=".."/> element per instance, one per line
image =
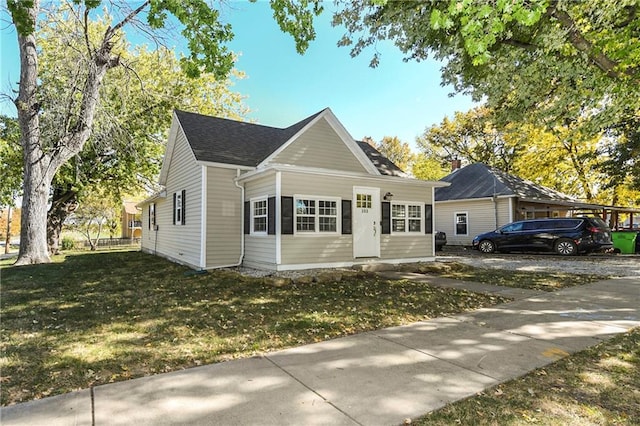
<point x="97" y="317"/>
<point x="597" y="386"/>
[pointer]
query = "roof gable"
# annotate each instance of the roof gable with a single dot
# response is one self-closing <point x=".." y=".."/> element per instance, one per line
<point x="481" y="181"/>
<point x="249" y="145"/>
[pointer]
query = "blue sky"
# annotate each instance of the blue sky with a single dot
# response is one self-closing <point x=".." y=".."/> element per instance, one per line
<point x="282" y="87"/>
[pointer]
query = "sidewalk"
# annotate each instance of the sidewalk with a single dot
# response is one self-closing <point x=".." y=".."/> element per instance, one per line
<point x="375" y="378"/>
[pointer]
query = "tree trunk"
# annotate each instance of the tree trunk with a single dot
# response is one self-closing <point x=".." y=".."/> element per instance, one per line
<point x="63" y="203"/>
<point x="37" y="171"/>
<point x="40" y="163"/>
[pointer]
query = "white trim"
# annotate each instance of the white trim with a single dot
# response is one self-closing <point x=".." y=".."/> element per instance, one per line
<point x="203" y="219"/>
<point x="419" y="204"/>
<point x="510" y="210"/>
<point x="455" y="227"/>
<point x="171" y="143"/>
<point x="278" y="214"/>
<point x="156" y="196"/>
<point x="252" y="231"/>
<point x="316" y="230"/>
<point x="255" y="174"/>
<point x="223" y="165"/>
<point x="302" y="266"/>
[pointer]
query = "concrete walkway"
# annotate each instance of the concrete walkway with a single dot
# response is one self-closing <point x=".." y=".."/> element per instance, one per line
<point x="375" y="378"/>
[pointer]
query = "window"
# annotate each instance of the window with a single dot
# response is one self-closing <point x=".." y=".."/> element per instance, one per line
<point x="152" y="215"/>
<point x="315" y="215"/>
<point x="406" y="217"/>
<point x="178" y="207"/>
<point x="363" y="201"/>
<point x="259" y="216"/>
<point x="461" y="223"/>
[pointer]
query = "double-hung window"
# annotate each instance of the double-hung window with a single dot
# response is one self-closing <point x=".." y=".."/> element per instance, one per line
<point x="461" y="223"/>
<point x="406" y="217"/>
<point x="316" y="215"/>
<point x="259" y="216"/>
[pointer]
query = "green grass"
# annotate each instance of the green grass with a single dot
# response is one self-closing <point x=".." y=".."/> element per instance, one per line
<point x="90" y="318"/>
<point x="598" y="386"/>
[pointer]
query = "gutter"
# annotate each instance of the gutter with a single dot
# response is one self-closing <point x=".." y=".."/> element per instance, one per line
<point x="235" y="181"/>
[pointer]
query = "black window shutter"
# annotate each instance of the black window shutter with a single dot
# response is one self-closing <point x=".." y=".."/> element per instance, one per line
<point x="428" y="219"/>
<point x="247" y="217"/>
<point x="386" y="217"/>
<point x="174" y="208"/>
<point x="287" y="215"/>
<point x="149" y="216"/>
<point x="271" y="215"/>
<point x="184" y="207"/>
<point x="346" y="216"/>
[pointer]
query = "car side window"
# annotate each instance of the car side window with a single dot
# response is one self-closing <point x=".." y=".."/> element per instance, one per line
<point x="513" y="227"/>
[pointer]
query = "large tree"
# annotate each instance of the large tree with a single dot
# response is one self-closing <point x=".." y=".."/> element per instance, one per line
<point x="537" y="61"/>
<point x="206" y="36"/>
<point x="125" y="149"/>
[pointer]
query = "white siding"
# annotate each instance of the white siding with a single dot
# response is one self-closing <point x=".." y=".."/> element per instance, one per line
<point x="320" y="147"/>
<point x="178" y="242"/>
<point x="224" y="218"/>
<point x="481" y="217"/>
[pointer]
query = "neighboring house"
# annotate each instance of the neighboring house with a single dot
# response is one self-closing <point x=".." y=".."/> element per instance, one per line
<point x="131" y="220"/>
<point x="481" y="198"/>
<point x="301" y="197"/>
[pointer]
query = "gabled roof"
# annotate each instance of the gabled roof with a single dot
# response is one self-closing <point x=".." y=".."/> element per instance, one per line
<point x="481" y="181"/>
<point x="220" y="140"/>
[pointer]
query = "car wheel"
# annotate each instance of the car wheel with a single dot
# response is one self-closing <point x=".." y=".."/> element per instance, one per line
<point x="566" y="248"/>
<point x="486" y="246"/>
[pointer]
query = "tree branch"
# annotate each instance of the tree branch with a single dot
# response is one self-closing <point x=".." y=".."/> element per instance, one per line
<point x="576" y="38"/>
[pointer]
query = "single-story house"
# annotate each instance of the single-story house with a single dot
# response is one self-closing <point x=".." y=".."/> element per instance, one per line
<point x="300" y="197"/>
<point x="481" y="198"/>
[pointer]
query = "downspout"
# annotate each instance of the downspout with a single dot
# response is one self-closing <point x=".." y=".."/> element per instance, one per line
<point x="235" y="181"/>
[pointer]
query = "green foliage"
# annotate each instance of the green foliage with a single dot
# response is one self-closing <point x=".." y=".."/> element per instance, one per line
<point x="10" y="161"/>
<point x="397" y="151"/>
<point x="548" y="63"/>
<point x="68" y="243"/>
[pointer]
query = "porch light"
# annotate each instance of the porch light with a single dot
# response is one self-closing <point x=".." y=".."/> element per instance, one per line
<point x="388" y="196"/>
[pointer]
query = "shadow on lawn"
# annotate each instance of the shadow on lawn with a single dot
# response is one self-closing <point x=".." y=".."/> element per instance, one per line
<point x="94" y="318"/>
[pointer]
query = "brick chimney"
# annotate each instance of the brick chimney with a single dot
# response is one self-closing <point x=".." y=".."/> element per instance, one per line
<point x="456" y="164"/>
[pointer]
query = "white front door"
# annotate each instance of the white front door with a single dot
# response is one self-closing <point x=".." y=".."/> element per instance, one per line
<point x="366" y="222"/>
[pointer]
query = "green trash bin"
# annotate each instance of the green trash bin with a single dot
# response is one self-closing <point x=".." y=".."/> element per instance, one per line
<point x="625" y="241"/>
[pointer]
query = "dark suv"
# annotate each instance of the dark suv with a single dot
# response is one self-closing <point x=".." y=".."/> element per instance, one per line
<point x="565" y="236"/>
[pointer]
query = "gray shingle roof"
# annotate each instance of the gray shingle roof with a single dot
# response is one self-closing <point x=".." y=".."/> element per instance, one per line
<point x="480" y="181"/>
<point x="220" y="140"/>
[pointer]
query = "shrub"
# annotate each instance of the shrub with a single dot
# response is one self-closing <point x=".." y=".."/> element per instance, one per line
<point x="68" y="243"/>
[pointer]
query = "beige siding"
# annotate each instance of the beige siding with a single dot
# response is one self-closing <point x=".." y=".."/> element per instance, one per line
<point x="403" y="247"/>
<point x="481" y="217"/>
<point x="224" y="218"/>
<point x="260" y="250"/>
<point x="310" y="249"/>
<point x="320" y="147"/>
<point x="179" y="242"/>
